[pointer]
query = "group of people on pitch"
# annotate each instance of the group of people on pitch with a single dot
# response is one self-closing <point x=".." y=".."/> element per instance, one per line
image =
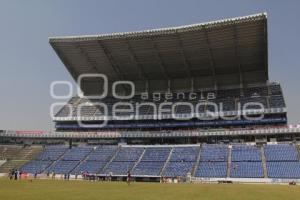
<point x="15" y="174"/>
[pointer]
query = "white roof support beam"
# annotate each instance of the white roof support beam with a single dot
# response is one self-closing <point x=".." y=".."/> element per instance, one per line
<point x="160" y="60"/>
<point x="238" y="57"/>
<point x="65" y="61"/>
<point x="135" y="60"/>
<point x="89" y="61"/>
<point x="147" y="86"/>
<point x="266" y="49"/>
<point x="211" y="57"/>
<point x="185" y="61"/>
<point x="112" y="62"/>
<point x="192" y="84"/>
<point x="87" y="58"/>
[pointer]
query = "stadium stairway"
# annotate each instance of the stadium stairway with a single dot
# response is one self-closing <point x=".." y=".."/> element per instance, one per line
<point x="197" y="162"/>
<point x="111" y="159"/>
<point x="8" y="151"/>
<point x="17" y="156"/>
<point x="139" y="160"/>
<point x="54" y="162"/>
<point x="83" y="160"/>
<point x="264" y="163"/>
<point x="229" y="160"/>
<point x="2" y="162"/>
<point x="167" y="161"/>
<point x="11" y="164"/>
<point x="27" y="153"/>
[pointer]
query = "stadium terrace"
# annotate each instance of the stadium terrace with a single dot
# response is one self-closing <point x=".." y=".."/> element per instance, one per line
<point x="197" y="66"/>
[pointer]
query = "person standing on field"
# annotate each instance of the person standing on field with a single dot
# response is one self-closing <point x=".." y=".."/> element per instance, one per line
<point x="128" y="177"/>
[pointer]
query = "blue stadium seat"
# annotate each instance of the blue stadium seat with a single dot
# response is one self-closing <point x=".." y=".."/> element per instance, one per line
<point x="77" y="153"/>
<point x="175" y="169"/>
<point x="283" y="169"/>
<point x="63" y="167"/>
<point x="246" y="170"/>
<point x="245" y="153"/>
<point x="148" y="168"/>
<point x="91" y="167"/>
<point x="129" y="154"/>
<point x="52" y="153"/>
<point x="214" y="152"/>
<point x="103" y="153"/>
<point x="212" y="169"/>
<point x="185" y="154"/>
<point x="281" y="152"/>
<point x="35" y="166"/>
<point x="119" y="168"/>
<point x="156" y="154"/>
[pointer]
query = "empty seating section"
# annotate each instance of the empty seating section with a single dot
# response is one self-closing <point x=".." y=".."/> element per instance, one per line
<point x="66" y="111"/>
<point x="27" y="153"/>
<point x="129" y="154"/>
<point x="155" y="154"/>
<point x="245" y="153"/>
<point x="254" y="103"/>
<point x="246" y="170"/>
<point x="283" y="169"/>
<point x="124" y="160"/>
<point x="256" y="91"/>
<point x="246" y="162"/>
<point x="86" y="110"/>
<point x="181" y="161"/>
<point x="184" y="154"/>
<point x="281" y="152"/>
<point x="16" y="156"/>
<point x="8" y="152"/>
<point x="52" y="153"/>
<point x="152" y="161"/>
<point x="35" y="166"/>
<point x="103" y="153"/>
<point x="60" y="159"/>
<point x="174" y="169"/>
<point x="282" y="160"/>
<point x="269" y="95"/>
<point x="62" y="166"/>
<point x="119" y="168"/>
<point x="213" y="161"/>
<point x="212" y="169"/>
<point x="226" y="104"/>
<point x="275" y="89"/>
<point x="91" y="167"/>
<point x="78" y="153"/>
<point x="148" y="168"/>
<point x="95" y="159"/>
<point x="277" y="101"/>
<point x="214" y="152"/>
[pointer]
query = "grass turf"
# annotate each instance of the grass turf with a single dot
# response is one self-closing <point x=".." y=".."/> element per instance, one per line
<point x="81" y="190"/>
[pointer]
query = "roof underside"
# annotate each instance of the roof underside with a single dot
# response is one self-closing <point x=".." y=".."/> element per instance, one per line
<point x="231" y="52"/>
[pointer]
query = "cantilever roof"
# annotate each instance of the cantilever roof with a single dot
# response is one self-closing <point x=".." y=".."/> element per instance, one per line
<point x="206" y="55"/>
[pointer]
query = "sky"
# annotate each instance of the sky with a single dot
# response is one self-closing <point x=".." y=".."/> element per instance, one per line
<point x="28" y="64"/>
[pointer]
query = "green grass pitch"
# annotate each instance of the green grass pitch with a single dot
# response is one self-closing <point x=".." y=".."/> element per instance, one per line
<point x="82" y="190"/>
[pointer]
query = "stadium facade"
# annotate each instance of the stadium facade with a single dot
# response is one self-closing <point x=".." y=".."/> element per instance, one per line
<point x="193" y="101"/>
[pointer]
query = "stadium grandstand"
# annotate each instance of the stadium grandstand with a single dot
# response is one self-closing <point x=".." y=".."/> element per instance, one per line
<point x="202" y="108"/>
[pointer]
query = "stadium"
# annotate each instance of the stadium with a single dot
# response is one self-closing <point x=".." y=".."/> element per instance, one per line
<point x="188" y="104"/>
